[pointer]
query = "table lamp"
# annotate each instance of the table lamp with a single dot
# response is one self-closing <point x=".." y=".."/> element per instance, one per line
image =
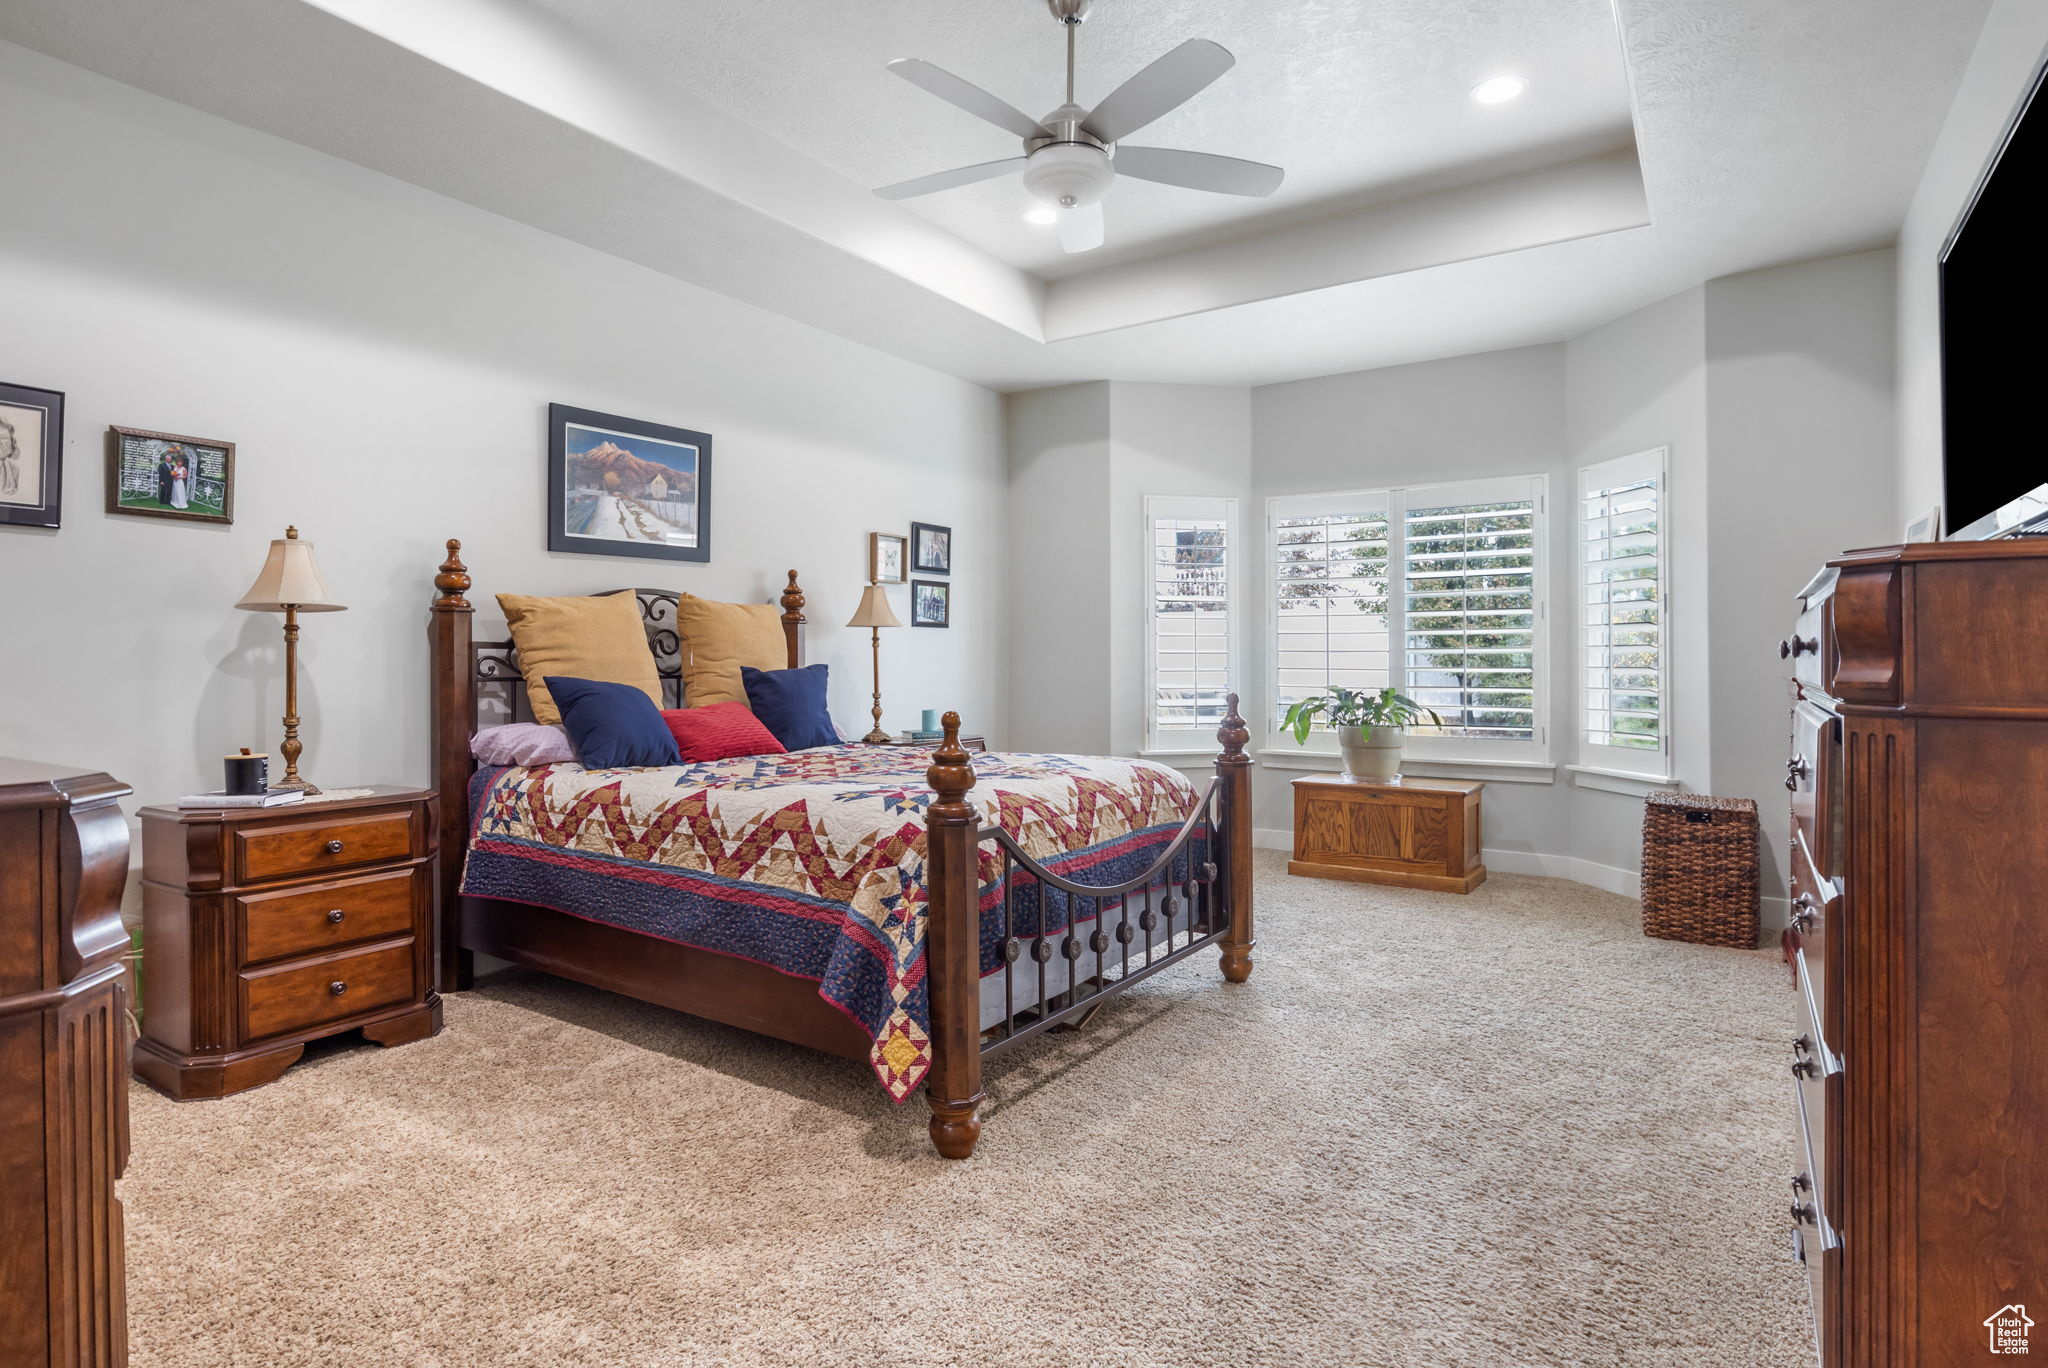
<point x="874" y="613"/>
<point x="290" y="584"/>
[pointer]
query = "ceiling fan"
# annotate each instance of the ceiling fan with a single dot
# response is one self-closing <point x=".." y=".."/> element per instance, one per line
<point x="1073" y="156"/>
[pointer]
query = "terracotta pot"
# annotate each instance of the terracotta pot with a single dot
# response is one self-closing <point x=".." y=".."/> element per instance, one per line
<point x="1372" y="753"/>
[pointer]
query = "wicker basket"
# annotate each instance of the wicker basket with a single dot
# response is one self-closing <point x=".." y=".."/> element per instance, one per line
<point x="1700" y="869"/>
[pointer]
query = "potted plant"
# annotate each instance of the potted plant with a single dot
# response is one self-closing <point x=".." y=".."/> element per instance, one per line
<point x="1370" y="727"/>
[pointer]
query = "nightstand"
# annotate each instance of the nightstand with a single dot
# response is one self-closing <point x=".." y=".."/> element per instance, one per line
<point x="1414" y="833"/>
<point x="265" y="928"/>
<point x="967" y="743"/>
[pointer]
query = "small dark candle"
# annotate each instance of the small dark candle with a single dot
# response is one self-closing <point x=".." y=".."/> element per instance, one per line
<point x="247" y="773"/>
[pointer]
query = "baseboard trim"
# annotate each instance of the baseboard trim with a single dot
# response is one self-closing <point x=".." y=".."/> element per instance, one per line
<point x="1612" y="878"/>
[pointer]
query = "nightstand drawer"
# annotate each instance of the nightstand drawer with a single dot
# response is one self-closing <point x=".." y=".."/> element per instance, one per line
<point x="298" y="996"/>
<point x="306" y="922"/>
<point x="312" y="846"/>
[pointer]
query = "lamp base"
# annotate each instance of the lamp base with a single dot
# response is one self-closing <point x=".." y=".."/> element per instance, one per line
<point x="877" y="737"/>
<point x="299" y="785"/>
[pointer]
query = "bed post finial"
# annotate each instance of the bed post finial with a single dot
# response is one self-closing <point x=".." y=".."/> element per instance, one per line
<point x="1234" y="811"/>
<point x="792" y="619"/>
<point x="952" y="949"/>
<point x="1233" y="735"/>
<point x="453" y="579"/>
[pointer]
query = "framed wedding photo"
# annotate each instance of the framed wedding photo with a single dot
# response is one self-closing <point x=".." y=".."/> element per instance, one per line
<point x="31" y="456"/>
<point x="622" y="487"/>
<point x="931" y="604"/>
<point x="886" y="555"/>
<point x="931" y="549"/>
<point x="163" y="475"/>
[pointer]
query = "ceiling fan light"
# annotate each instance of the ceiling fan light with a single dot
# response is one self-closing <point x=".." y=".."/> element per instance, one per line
<point x="1043" y="214"/>
<point x="1499" y="89"/>
<point x="1066" y="175"/>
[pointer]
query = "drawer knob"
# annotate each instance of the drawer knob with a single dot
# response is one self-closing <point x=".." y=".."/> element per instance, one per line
<point x="334" y="915"/>
<point x="1801" y="1183"/>
<point x="337" y="987"/>
<point x="1804" y="1214"/>
<point x="334" y="847"/>
<point x="1796" y="769"/>
<point x="1804" y="1068"/>
<point x="1793" y="647"/>
<point x="1804" y="918"/>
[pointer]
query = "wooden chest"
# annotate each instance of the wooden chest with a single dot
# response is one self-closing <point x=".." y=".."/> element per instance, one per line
<point x="269" y="927"/>
<point x="1417" y="833"/>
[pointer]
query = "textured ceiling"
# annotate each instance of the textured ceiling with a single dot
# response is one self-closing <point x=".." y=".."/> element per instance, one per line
<point x="1767" y="131"/>
<point x="1355" y="98"/>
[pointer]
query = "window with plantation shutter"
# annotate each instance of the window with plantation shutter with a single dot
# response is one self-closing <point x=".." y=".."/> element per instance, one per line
<point x="1190" y="630"/>
<point x="1434" y="590"/>
<point x="1623" y="606"/>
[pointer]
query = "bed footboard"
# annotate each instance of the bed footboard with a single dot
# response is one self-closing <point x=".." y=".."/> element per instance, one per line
<point x="1194" y="894"/>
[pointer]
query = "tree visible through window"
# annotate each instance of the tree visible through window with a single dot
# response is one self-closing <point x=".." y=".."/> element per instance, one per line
<point x="1436" y="591"/>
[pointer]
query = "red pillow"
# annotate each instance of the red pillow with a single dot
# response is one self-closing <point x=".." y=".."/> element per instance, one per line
<point x="719" y="731"/>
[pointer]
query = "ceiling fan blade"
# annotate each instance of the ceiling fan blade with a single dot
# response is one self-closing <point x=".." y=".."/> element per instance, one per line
<point x="1081" y="227"/>
<point x="966" y="95"/>
<point x="1159" y="89"/>
<point x="946" y="180"/>
<point x="1198" y="170"/>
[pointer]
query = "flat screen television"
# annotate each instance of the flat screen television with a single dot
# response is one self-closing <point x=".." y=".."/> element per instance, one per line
<point x="1994" y="363"/>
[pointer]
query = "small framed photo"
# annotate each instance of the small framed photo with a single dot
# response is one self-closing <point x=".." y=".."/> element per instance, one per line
<point x="31" y="456"/>
<point x="931" y="604"/>
<point x="886" y="554"/>
<point x="931" y="549"/>
<point x="163" y="475"/>
<point x="622" y="487"/>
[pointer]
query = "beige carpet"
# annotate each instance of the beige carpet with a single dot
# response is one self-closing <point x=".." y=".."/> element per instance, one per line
<point x="1432" y="1130"/>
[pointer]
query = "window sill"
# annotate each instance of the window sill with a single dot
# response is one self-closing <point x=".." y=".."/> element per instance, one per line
<point x="1625" y="782"/>
<point x="1490" y="771"/>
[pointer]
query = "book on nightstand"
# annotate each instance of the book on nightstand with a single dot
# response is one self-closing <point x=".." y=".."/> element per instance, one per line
<point x="223" y="799"/>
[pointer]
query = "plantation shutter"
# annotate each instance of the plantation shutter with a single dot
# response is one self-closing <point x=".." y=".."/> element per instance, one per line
<point x="1469" y="594"/>
<point x="1190" y="630"/>
<point x="1330" y="582"/>
<point x="1622" y="611"/>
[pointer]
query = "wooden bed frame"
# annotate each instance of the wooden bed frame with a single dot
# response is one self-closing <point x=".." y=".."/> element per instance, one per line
<point x="1213" y="896"/>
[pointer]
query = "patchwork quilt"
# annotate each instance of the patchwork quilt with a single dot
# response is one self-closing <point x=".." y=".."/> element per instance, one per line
<point x="812" y="863"/>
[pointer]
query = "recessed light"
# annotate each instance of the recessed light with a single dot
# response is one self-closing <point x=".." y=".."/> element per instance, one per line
<point x="1499" y="89"/>
<point x="1044" y="214"/>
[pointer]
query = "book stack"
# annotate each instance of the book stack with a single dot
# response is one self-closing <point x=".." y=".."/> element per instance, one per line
<point x="224" y="799"/>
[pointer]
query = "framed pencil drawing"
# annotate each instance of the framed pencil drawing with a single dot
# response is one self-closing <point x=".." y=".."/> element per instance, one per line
<point x="31" y="456"/>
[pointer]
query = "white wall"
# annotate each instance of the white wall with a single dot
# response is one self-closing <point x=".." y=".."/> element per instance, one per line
<point x="2011" y="46"/>
<point x="1177" y="440"/>
<point x="1059" y="527"/>
<point x="1637" y="383"/>
<point x="384" y="359"/>
<point x="1803" y="431"/>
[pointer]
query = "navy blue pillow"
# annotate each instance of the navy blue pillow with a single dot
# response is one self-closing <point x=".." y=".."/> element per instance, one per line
<point x="612" y="726"/>
<point x="791" y="704"/>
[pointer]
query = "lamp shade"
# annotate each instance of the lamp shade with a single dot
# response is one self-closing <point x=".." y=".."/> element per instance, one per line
<point x="874" y="610"/>
<point x="289" y="579"/>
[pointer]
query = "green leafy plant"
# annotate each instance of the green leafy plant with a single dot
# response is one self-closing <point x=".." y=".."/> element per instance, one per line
<point x="1342" y="707"/>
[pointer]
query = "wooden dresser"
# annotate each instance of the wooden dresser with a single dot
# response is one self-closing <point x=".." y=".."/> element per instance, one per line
<point x="1919" y="949"/>
<point x="1414" y="833"/>
<point x="63" y="1067"/>
<point x="269" y="927"/>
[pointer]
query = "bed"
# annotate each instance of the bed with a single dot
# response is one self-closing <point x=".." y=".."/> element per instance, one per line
<point x="919" y="913"/>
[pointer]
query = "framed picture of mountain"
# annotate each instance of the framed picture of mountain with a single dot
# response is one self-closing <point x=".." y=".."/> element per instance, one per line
<point x="623" y="487"/>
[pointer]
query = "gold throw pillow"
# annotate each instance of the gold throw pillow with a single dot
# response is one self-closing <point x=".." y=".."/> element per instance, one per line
<point x="718" y="638"/>
<point x="584" y="638"/>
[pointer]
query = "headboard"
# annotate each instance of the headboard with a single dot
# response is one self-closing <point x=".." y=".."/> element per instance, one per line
<point x="477" y="684"/>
